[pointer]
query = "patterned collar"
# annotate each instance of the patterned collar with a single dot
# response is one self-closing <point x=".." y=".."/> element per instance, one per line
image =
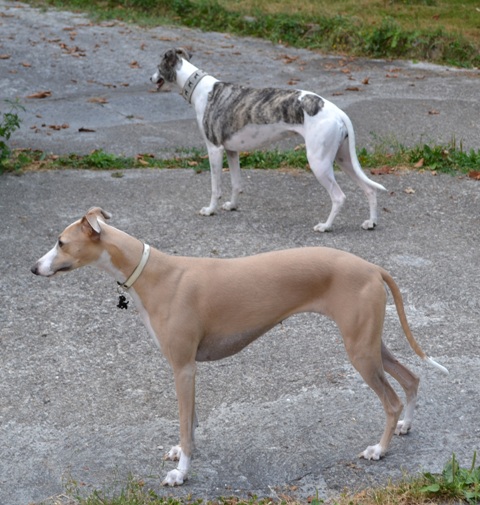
<point x="191" y="84"/>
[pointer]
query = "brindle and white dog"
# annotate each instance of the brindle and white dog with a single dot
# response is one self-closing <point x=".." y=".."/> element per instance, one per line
<point x="235" y="118"/>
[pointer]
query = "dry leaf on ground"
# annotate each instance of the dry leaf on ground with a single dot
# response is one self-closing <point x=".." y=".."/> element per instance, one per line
<point x="40" y="94"/>
<point x="97" y="99"/>
<point x="381" y="170"/>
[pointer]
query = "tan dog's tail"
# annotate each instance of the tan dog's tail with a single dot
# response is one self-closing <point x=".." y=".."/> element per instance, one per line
<point x="397" y="298"/>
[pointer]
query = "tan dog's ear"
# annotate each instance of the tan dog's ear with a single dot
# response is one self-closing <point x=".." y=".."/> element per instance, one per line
<point x="183" y="53"/>
<point x="94" y="217"/>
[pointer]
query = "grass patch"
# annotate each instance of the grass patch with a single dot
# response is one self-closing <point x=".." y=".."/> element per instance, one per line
<point x="443" y="31"/>
<point x="444" y="158"/>
<point x="384" y="158"/>
<point x="453" y="485"/>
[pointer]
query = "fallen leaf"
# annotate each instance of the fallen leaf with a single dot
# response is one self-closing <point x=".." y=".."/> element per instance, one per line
<point x="25" y="64"/>
<point x="97" y="99"/>
<point x="337" y="93"/>
<point x="73" y="50"/>
<point x="86" y="130"/>
<point x="352" y="88"/>
<point x="366" y="81"/>
<point x="40" y="94"/>
<point x="5" y="56"/>
<point x="433" y="112"/>
<point x="134" y="64"/>
<point x="288" y="59"/>
<point x="164" y="38"/>
<point x="391" y="76"/>
<point x="192" y="163"/>
<point x="58" y="127"/>
<point x="409" y="191"/>
<point x="474" y="174"/>
<point x="419" y="163"/>
<point x="381" y="170"/>
<point x="293" y="82"/>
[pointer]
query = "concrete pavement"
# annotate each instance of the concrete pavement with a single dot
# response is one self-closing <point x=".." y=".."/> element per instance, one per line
<point x="85" y="395"/>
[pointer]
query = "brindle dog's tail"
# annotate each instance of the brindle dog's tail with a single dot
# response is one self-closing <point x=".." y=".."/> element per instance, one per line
<point x="397" y="298"/>
<point x="353" y="155"/>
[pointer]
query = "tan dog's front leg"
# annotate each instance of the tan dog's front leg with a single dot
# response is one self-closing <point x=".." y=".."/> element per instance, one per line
<point x="185" y="387"/>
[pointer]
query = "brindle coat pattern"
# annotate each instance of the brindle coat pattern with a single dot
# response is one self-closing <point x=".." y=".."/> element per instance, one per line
<point x="231" y="107"/>
<point x="233" y="117"/>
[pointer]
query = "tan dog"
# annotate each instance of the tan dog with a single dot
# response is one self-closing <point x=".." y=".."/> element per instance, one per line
<point x="201" y="309"/>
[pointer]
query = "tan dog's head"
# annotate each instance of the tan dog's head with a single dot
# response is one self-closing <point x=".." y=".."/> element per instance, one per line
<point x="170" y="63"/>
<point x="78" y="245"/>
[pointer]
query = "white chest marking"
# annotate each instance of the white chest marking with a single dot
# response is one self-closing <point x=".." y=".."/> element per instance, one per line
<point x="144" y="316"/>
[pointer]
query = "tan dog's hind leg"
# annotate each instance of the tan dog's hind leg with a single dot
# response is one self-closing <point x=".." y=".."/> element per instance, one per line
<point x="362" y="334"/>
<point x="409" y="382"/>
<point x="371" y="369"/>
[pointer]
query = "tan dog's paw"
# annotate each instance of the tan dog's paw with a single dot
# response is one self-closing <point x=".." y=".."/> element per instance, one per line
<point x="174" y="478"/>
<point x="374" y="452"/>
<point x="402" y="428"/>
<point x="173" y="454"/>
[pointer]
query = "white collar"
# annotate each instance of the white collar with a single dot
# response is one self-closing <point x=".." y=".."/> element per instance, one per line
<point x="138" y="271"/>
<point x="191" y="84"/>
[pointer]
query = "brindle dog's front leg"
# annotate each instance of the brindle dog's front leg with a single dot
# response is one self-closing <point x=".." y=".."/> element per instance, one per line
<point x="235" y="176"/>
<point x="215" y="155"/>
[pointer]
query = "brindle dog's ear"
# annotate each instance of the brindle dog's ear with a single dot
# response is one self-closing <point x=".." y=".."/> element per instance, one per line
<point x="183" y="53"/>
<point x="170" y="57"/>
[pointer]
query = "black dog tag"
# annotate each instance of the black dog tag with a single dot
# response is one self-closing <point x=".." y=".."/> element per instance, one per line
<point x="122" y="303"/>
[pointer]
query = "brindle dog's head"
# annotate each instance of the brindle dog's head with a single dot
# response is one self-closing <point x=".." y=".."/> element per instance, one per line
<point x="170" y="63"/>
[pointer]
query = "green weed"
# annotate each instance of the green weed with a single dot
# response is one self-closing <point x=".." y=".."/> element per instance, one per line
<point x="445" y="158"/>
<point x="8" y="124"/>
<point x="455" y="482"/>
